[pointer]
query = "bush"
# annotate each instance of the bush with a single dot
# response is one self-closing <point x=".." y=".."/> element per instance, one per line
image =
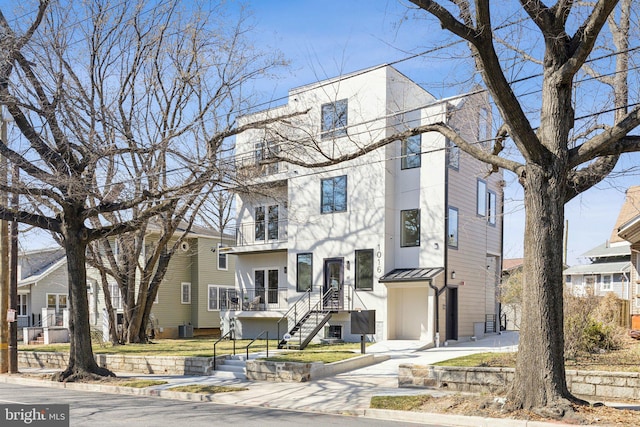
<point x="591" y="324"/>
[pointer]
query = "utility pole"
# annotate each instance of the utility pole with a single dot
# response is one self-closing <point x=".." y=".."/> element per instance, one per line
<point x="13" y="281"/>
<point x="4" y="263"/>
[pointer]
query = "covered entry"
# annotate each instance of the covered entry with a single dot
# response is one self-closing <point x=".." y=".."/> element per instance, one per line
<point x="410" y="302"/>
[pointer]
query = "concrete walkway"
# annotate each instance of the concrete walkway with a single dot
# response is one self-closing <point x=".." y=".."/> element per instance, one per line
<point x="347" y="393"/>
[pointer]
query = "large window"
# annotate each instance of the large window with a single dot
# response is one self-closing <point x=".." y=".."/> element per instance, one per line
<point x="491" y="214"/>
<point x="267" y="222"/>
<point x="116" y="298"/>
<point x="265" y="151"/>
<point x="410" y="228"/>
<point x="481" y="198"/>
<point x="411" y="152"/>
<point x="452" y="234"/>
<point x="334" y="194"/>
<point x="334" y="119"/>
<point x="304" y="274"/>
<point x="185" y="293"/>
<point x="364" y="269"/>
<point x="222" y="259"/>
<point x="453" y="155"/>
<point x="266" y="285"/>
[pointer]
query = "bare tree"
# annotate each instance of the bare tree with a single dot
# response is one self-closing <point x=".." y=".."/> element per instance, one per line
<point x="124" y="110"/>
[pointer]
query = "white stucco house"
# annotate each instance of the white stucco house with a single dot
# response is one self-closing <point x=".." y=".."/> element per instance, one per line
<point x="412" y="230"/>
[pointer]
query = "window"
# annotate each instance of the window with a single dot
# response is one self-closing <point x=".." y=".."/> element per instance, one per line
<point x="411" y="152"/>
<point x="334" y="194"/>
<point x="567" y="278"/>
<point x="410" y="228"/>
<point x="266" y="285"/>
<point x="116" y="298"/>
<point x="452" y="233"/>
<point x="265" y="151"/>
<point x="334" y="119"/>
<point x="222" y="258"/>
<point x="185" y="293"/>
<point x="213" y="298"/>
<point x="453" y="155"/>
<point x="491" y="215"/>
<point x="267" y="224"/>
<point x="364" y="269"/>
<point x="304" y="273"/>
<point x="260" y="223"/>
<point x="22" y="305"/>
<point x="606" y="282"/>
<point x="481" y="201"/>
<point x="58" y="302"/>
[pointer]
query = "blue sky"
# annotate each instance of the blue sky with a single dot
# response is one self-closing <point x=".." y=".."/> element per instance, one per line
<point x="323" y="39"/>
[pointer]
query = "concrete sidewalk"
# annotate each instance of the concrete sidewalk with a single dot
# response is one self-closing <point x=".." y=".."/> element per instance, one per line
<point x="347" y="393"/>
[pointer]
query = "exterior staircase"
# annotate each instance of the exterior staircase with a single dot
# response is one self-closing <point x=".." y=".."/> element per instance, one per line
<point x="234" y="366"/>
<point x="38" y="341"/>
<point x="305" y="319"/>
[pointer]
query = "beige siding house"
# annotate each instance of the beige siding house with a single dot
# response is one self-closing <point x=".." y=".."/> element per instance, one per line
<point x="188" y="299"/>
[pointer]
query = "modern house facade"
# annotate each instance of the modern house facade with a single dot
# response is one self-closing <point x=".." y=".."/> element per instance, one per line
<point x="411" y="230"/>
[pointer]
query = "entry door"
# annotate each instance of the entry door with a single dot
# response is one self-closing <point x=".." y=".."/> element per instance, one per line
<point x="333" y="280"/>
<point x="452" y="314"/>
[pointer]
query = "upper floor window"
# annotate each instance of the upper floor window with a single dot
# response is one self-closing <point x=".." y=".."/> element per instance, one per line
<point x="491" y="214"/>
<point x="411" y="152"/>
<point x="334" y="194"/>
<point x="334" y="119"/>
<point x="266" y="150"/>
<point x="453" y="155"/>
<point x="222" y="258"/>
<point x="481" y="198"/>
<point x="304" y="276"/>
<point x="364" y="269"/>
<point x="452" y="234"/>
<point x="410" y="228"/>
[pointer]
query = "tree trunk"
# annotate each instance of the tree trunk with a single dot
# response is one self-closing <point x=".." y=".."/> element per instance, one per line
<point x="82" y="363"/>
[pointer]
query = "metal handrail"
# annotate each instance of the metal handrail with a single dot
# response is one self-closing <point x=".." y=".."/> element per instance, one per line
<point x="294" y="309"/>
<point x="230" y="332"/>
<point x="254" y="340"/>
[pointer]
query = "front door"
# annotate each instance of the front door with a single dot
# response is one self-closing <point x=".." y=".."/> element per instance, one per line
<point x="452" y="314"/>
<point x="333" y="283"/>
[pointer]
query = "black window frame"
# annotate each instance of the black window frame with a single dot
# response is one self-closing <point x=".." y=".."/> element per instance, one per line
<point x="492" y="207"/>
<point x="409" y="157"/>
<point x="331" y="203"/>
<point x="457" y="228"/>
<point x="298" y="281"/>
<point x="403" y="243"/>
<point x="358" y="279"/>
<point x="334" y="119"/>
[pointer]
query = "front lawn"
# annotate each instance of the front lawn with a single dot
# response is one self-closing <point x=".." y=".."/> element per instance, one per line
<point x="310" y="356"/>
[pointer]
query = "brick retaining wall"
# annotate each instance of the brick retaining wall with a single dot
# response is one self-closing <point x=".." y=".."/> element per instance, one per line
<point x="589" y="384"/>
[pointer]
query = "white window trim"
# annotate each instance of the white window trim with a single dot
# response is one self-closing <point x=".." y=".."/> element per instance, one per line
<point x="57" y="300"/>
<point x="609" y="286"/>
<point x="182" y="286"/>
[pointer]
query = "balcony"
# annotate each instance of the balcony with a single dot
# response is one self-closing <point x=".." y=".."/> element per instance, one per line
<point x="256" y="299"/>
<point x="261" y="236"/>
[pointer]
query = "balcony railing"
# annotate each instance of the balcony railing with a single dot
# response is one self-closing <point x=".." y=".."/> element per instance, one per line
<point x="258" y="233"/>
<point x="256" y="299"/>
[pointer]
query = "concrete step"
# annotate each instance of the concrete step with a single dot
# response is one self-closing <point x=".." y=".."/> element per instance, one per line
<point x="231" y="368"/>
<point x="232" y="362"/>
<point x="228" y="375"/>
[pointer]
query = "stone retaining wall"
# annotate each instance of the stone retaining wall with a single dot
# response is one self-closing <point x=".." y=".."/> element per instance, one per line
<point x="589" y="384"/>
<point x="174" y="365"/>
<point x="262" y="370"/>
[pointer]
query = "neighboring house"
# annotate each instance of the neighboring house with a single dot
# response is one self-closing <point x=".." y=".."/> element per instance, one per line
<point x="193" y="291"/>
<point x="628" y="228"/>
<point x="42" y="283"/>
<point x="610" y="267"/>
<point x="511" y="307"/>
<point x="412" y="230"/>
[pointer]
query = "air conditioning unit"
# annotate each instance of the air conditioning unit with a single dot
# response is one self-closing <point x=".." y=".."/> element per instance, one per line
<point x="185" y="331"/>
